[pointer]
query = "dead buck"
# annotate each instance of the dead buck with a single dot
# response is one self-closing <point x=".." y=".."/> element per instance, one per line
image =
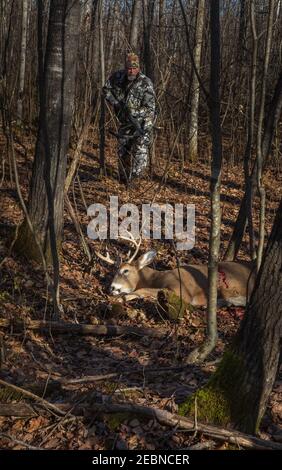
<point x="134" y="279"/>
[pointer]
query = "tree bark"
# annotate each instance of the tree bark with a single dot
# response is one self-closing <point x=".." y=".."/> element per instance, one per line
<point x="148" y="17"/>
<point x="195" y="87"/>
<point x="94" y="28"/>
<point x="134" y="27"/>
<point x="113" y="37"/>
<point x="260" y="184"/>
<point x="102" y="99"/>
<point x="56" y="89"/>
<point x="273" y="115"/>
<point x="214" y="243"/>
<point x="22" y="59"/>
<point x="251" y="125"/>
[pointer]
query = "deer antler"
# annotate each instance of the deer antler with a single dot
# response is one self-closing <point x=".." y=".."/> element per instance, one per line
<point x="106" y="258"/>
<point x="137" y="244"/>
<point x="131" y="239"/>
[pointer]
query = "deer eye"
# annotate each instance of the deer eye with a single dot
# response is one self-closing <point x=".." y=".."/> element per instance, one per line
<point x="125" y="272"/>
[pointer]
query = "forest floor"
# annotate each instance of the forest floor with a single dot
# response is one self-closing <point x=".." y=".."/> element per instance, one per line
<point x="125" y="368"/>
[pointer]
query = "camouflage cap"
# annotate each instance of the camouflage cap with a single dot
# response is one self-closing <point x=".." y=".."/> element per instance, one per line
<point x="132" y="61"/>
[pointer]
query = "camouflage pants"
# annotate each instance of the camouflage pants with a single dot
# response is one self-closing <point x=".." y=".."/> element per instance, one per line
<point x="133" y="154"/>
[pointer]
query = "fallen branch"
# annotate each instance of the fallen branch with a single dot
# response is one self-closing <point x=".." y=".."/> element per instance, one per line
<point x="32" y="396"/>
<point x="83" y="329"/>
<point x="101" y="377"/>
<point x="206" y="445"/>
<point x="18" y="442"/>
<point x="165" y="418"/>
<point x="90" y="378"/>
<point x="169" y="419"/>
<point x="143" y="371"/>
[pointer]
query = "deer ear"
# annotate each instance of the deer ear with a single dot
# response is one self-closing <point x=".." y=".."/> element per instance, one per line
<point x="146" y="259"/>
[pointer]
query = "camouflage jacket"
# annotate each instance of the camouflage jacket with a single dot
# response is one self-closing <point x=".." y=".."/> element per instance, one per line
<point x="138" y="97"/>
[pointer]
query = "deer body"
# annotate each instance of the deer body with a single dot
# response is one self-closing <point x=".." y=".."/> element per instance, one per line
<point x="235" y="281"/>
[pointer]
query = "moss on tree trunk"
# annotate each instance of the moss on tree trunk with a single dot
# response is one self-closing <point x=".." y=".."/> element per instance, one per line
<point x="218" y="401"/>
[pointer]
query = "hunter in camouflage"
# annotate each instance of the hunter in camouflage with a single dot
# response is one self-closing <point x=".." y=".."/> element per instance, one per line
<point x="132" y="95"/>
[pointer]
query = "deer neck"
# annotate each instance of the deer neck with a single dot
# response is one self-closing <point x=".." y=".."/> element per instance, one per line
<point x="151" y="278"/>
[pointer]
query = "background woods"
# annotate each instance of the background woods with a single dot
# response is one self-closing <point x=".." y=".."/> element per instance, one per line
<point x="173" y="39"/>
<point x="216" y="67"/>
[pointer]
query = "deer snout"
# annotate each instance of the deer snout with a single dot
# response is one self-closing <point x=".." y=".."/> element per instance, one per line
<point x="117" y="289"/>
<point x="114" y="290"/>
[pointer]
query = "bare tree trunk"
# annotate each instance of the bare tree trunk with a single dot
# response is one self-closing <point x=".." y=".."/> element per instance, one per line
<point x="113" y="40"/>
<point x="94" y="50"/>
<point x="242" y="38"/>
<point x="40" y="41"/>
<point x="101" y="42"/>
<point x="259" y="133"/>
<point x="148" y="17"/>
<point x="273" y="115"/>
<point x="134" y="27"/>
<point x="161" y="38"/>
<point x="22" y="59"/>
<point x="195" y="87"/>
<point x="250" y="139"/>
<point x="56" y="87"/>
<point x="102" y="109"/>
<point x="214" y="244"/>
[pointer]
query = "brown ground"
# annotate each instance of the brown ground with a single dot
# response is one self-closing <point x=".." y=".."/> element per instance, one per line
<point x="35" y="362"/>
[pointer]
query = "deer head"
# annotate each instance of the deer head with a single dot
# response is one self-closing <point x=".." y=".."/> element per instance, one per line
<point x="128" y="275"/>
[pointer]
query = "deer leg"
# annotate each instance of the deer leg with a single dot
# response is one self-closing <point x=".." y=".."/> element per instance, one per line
<point x="142" y="294"/>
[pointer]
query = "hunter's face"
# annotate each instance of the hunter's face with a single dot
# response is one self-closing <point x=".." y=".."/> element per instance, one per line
<point x="132" y="73"/>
